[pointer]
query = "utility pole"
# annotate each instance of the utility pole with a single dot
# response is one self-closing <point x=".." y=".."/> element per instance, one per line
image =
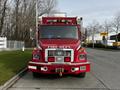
<point x="93" y="32"/>
<point x="107" y="35"/>
<point x="36" y="23"/>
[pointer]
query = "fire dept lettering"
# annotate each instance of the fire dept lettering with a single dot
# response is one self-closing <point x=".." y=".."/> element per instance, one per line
<point x="61" y="47"/>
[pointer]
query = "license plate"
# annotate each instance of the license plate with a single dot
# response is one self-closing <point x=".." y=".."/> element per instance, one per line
<point x="59" y="70"/>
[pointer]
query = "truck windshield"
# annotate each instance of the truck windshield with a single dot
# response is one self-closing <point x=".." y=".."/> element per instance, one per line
<point x="58" y="32"/>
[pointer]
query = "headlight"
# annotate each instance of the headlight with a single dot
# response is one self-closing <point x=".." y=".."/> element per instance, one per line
<point x="82" y="57"/>
<point x="36" y="56"/>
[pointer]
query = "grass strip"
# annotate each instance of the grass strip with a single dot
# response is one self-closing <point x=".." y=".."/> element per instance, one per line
<point x="12" y="62"/>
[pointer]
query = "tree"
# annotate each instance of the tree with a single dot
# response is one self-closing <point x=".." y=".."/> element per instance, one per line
<point x="3" y="7"/>
<point x="18" y="16"/>
<point x="93" y="29"/>
<point x="116" y="25"/>
<point x="46" y="6"/>
<point x="107" y="27"/>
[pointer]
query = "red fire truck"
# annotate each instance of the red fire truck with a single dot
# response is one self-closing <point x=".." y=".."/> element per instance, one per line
<point x="59" y="48"/>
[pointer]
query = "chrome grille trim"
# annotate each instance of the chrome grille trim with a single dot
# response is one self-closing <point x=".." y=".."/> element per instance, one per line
<point x="46" y="53"/>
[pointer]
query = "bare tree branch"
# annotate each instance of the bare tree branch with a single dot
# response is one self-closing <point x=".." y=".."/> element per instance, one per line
<point x="3" y="15"/>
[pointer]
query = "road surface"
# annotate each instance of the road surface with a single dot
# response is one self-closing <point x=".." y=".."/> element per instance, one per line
<point x="104" y="75"/>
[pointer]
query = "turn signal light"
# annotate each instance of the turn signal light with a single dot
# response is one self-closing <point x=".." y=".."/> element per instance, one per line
<point x="81" y="49"/>
<point x="67" y="59"/>
<point x="51" y="59"/>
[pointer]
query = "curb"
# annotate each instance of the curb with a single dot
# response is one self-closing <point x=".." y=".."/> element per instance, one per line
<point x="12" y="81"/>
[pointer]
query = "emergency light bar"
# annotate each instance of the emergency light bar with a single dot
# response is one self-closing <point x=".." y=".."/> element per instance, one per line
<point x="59" y="20"/>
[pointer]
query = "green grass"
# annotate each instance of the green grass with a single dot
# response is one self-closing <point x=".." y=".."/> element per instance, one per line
<point x="11" y="63"/>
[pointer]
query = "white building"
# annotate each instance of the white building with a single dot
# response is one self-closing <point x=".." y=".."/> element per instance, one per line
<point x="97" y="38"/>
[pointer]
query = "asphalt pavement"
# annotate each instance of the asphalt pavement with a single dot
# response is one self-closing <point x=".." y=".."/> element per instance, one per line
<point x="104" y="75"/>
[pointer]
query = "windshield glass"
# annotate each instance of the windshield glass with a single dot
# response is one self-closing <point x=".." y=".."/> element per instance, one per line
<point x="58" y="32"/>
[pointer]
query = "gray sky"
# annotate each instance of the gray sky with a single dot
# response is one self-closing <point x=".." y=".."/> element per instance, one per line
<point x="90" y="10"/>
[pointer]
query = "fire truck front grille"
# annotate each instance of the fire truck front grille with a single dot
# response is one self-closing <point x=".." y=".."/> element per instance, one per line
<point x="52" y="53"/>
<point x="59" y="54"/>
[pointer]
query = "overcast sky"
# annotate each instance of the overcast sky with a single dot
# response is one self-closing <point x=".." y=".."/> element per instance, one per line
<point x="90" y="10"/>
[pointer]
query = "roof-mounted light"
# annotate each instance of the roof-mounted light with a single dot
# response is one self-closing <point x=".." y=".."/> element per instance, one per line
<point x="59" y="21"/>
<point x="79" y="20"/>
<point x="40" y="19"/>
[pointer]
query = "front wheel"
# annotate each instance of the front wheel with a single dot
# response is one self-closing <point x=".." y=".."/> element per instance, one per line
<point x="82" y="75"/>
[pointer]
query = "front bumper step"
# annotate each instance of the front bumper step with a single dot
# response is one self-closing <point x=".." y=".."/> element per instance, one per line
<point x="48" y="68"/>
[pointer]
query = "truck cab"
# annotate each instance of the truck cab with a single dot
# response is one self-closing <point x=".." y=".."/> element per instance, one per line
<point x="59" y="48"/>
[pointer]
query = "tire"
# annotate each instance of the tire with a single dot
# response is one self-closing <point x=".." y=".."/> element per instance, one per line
<point x="82" y="75"/>
<point x="36" y="75"/>
<point x="118" y="47"/>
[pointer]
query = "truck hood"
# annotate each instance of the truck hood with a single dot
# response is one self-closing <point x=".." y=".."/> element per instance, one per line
<point x="59" y="43"/>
